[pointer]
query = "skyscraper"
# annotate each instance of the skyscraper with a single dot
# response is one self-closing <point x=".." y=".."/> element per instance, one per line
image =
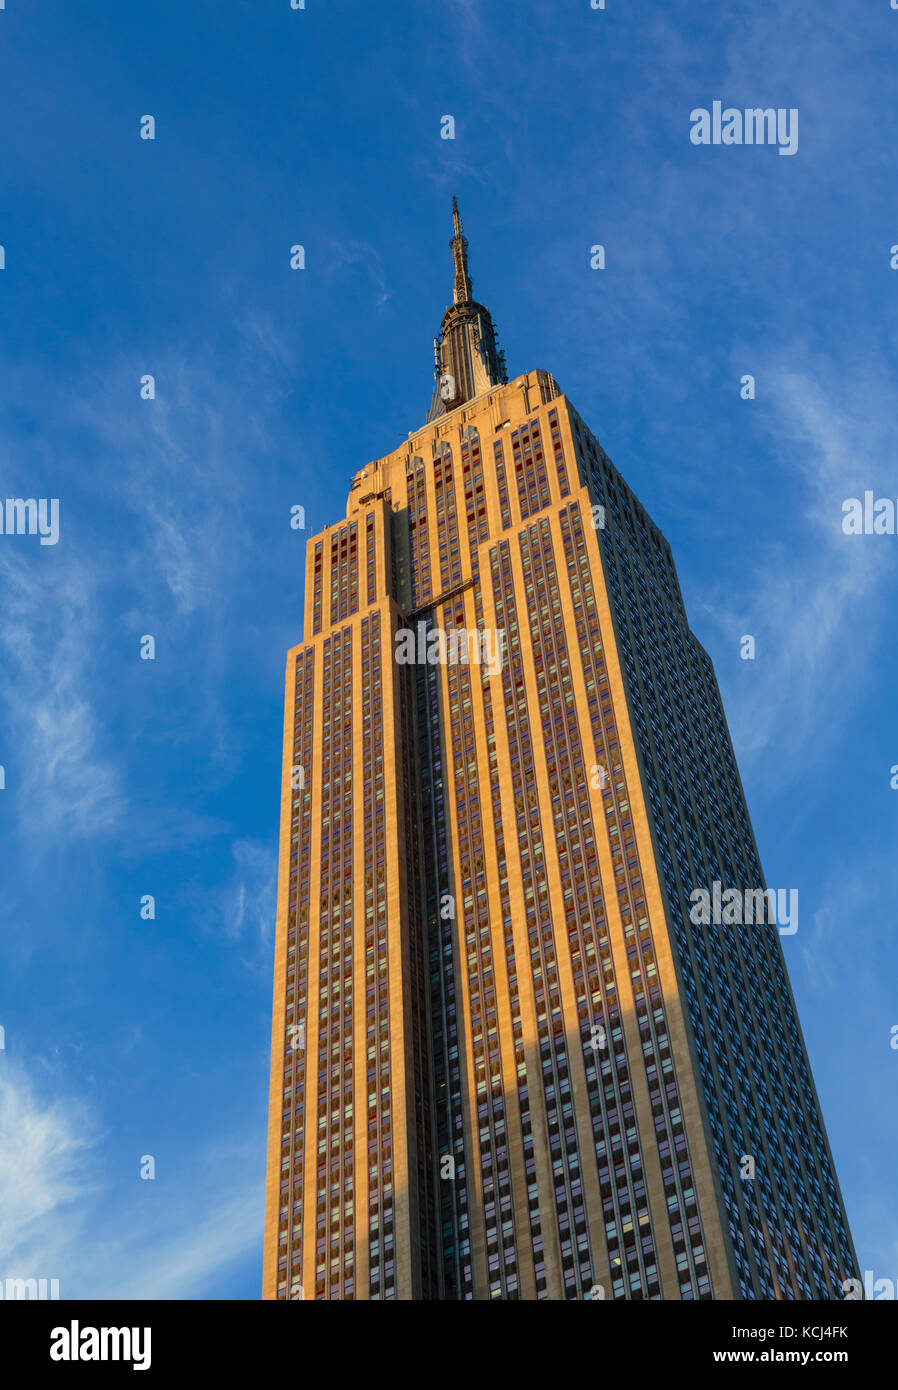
<point x="512" y="1057"/>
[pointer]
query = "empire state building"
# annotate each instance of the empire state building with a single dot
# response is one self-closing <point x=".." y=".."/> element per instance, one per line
<point x="509" y="1058"/>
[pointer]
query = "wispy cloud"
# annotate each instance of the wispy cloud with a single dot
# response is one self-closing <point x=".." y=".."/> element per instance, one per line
<point x="250" y="897"/>
<point x="44" y="1175"/>
<point x="815" y="593"/>
<point x="186" y="1261"/>
<point x="359" y="253"/>
<point x="59" y="770"/>
<point x="159" y="547"/>
<point x="244" y="908"/>
<point x="62" y="1218"/>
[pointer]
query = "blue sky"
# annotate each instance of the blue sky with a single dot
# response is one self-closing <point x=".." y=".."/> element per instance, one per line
<point x="126" y="1037"/>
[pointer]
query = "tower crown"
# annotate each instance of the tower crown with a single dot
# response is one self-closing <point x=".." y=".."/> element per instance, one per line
<point x="467" y="360"/>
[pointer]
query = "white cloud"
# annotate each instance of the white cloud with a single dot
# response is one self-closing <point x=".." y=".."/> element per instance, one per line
<point x="60" y="1218"/>
<point x="818" y="603"/>
<point x="360" y="253"/>
<point x="184" y="1262"/>
<point x="246" y="905"/>
<point x="253" y="889"/>
<point x="48" y="637"/>
<point x="44" y="1147"/>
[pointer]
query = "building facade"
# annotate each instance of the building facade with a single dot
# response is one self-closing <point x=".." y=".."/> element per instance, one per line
<point x="509" y="1058"/>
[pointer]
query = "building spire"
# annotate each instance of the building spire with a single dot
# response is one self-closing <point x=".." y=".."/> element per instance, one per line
<point x="467" y="360"/>
<point x="459" y="245"/>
